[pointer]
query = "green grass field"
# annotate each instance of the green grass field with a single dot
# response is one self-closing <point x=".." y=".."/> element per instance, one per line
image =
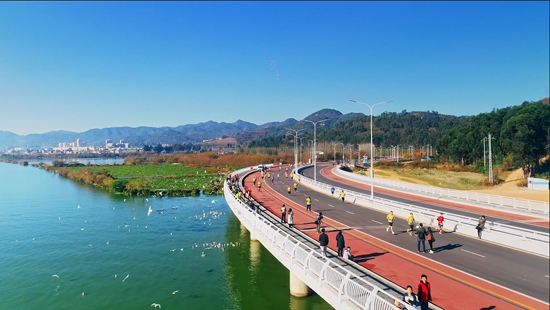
<point x="123" y="171"/>
<point x="184" y="183"/>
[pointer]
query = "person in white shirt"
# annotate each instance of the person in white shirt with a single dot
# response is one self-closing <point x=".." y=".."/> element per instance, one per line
<point x="347" y="254"/>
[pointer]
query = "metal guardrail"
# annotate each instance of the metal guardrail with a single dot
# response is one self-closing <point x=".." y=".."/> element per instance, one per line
<point x="336" y="285"/>
<point x="431" y="213"/>
<point x="500" y="233"/>
<point x="502" y="201"/>
<point x="460" y="219"/>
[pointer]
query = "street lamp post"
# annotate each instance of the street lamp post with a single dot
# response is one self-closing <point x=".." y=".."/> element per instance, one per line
<point x="371" y="151"/>
<point x="295" y="145"/>
<point x="335" y="150"/>
<point x="315" y="146"/>
<point x="301" y="150"/>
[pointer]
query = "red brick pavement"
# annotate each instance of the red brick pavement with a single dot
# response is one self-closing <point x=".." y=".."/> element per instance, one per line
<point x="451" y="288"/>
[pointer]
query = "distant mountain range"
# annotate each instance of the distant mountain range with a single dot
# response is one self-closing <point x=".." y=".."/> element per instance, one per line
<point x="244" y="132"/>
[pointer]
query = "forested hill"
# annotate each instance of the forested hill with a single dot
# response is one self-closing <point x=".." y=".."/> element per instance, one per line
<point x="520" y="136"/>
<point x="389" y="128"/>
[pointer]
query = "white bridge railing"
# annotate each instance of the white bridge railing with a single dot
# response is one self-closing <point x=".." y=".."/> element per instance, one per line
<point x="517" y="237"/>
<point x="502" y="201"/>
<point x="339" y="287"/>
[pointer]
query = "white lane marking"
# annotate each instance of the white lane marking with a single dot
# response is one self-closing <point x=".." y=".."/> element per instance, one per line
<point x="315" y="199"/>
<point x="472" y="253"/>
<point x="331" y="206"/>
<point x="377" y="222"/>
<point x="350" y="212"/>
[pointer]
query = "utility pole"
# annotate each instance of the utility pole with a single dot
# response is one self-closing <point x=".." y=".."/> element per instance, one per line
<point x="490" y="161"/>
<point x="484" y="155"/>
<point x="397" y="153"/>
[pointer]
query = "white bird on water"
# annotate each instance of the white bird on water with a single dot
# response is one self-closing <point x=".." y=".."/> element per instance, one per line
<point x="124" y="200"/>
<point x="146" y="199"/>
<point x="82" y="293"/>
<point x="203" y="254"/>
<point x="78" y="207"/>
<point x="174" y="292"/>
<point x="126" y="277"/>
<point x="150" y="211"/>
<point x="55" y="276"/>
<point x="155" y="305"/>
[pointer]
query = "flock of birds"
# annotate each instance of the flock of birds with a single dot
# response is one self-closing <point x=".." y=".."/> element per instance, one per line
<point x="205" y="214"/>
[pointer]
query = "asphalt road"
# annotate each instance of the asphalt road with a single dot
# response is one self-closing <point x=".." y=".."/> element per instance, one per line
<point x="516" y="270"/>
<point x="308" y="172"/>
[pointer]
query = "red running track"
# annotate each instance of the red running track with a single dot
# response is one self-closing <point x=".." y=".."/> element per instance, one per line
<point x="451" y="288"/>
<point x="327" y="172"/>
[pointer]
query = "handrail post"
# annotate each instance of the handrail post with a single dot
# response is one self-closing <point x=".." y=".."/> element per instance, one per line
<point x="341" y="289"/>
<point x="371" y="298"/>
<point x="306" y="262"/>
<point x="322" y="274"/>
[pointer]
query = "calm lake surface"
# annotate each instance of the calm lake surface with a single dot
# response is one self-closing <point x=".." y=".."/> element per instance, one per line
<point x="120" y="257"/>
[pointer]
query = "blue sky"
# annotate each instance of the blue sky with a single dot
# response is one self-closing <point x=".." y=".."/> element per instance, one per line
<point x="82" y="65"/>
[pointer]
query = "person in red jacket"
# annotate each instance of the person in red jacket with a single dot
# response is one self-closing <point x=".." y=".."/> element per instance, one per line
<point x="440" y="220"/>
<point x="424" y="292"/>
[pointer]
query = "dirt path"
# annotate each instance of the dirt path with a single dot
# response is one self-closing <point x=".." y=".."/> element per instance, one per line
<point x="510" y="189"/>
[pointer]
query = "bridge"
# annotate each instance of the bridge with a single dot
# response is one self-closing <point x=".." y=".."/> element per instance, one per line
<point x="466" y="273"/>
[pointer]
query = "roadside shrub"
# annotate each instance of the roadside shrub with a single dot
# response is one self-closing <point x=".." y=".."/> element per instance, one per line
<point x="522" y="182"/>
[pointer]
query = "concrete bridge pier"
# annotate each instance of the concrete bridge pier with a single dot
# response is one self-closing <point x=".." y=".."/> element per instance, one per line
<point x="252" y="234"/>
<point x="298" y="288"/>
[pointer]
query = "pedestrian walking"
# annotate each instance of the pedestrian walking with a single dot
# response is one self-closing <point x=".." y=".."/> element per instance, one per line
<point x="421" y="237"/>
<point x="480" y="226"/>
<point x="431" y="239"/>
<point x="278" y="176"/>
<point x="440" y="220"/>
<point x="340" y="243"/>
<point x="424" y="292"/>
<point x="283" y="214"/>
<point x="254" y="181"/>
<point x="319" y="220"/>
<point x="308" y="204"/>
<point x="323" y="242"/>
<point x="299" y="178"/>
<point x="295" y="187"/>
<point x="390" y="218"/>
<point x="332" y="191"/>
<point x="290" y="217"/>
<point x="272" y="180"/>
<point x="289" y="190"/>
<point x="343" y="196"/>
<point x="410" y="222"/>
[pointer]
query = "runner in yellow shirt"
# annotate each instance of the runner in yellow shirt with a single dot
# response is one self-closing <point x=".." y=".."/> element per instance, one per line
<point x="308" y="204"/>
<point x="289" y="190"/>
<point x="295" y="187"/>
<point x="410" y="222"/>
<point x="390" y="218"/>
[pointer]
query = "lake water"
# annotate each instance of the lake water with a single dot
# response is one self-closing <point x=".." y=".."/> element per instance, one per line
<point x="107" y="253"/>
<point x="93" y="161"/>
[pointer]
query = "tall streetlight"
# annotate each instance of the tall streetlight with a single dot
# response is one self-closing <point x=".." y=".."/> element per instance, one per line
<point x="335" y="149"/>
<point x="371" y="147"/>
<point x="301" y="150"/>
<point x="295" y="145"/>
<point x="315" y="145"/>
